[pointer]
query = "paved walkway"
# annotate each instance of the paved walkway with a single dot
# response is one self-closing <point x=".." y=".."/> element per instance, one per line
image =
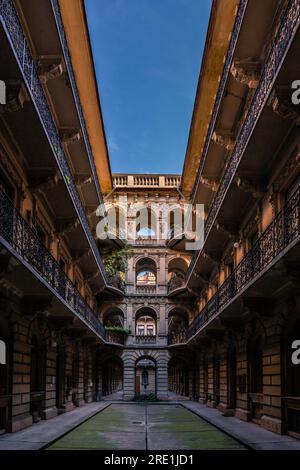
<point x="250" y="434"/>
<point x="44" y="432"/>
<point x="147" y="426"/>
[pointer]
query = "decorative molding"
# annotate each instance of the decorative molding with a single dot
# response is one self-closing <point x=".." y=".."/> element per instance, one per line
<point x="224" y="139"/>
<point x="51" y="71"/>
<point x="246" y="72"/>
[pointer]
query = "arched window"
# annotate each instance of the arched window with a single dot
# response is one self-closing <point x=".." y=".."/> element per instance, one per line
<point x="145" y="321"/>
<point x="146" y="223"/>
<point x="175" y="223"/>
<point x="146" y="272"/>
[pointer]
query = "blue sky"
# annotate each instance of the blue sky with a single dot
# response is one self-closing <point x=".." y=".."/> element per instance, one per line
<point x="147" y="56"/>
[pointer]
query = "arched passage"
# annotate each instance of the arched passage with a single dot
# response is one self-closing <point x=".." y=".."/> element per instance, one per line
<point x="177" y="269"/>
<point x="179" y="375"/>
<point x="113" y="322"/>
<point x="112" y="374"/>
<point x="146" y="223"/>
<point x="177" y="326"/>
<point x="37" y="371"/>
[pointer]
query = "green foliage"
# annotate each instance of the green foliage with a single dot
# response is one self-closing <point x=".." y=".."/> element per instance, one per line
<point x="117" y="261"/>
<point x="117" y="329"/>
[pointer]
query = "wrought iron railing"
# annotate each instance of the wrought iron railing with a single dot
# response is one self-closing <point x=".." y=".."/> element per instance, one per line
<point x="145" y="339"/>
<point x="28" y="67"/>
<point x="20" y="237"/>
<point x="226" y="71"/>
<point x="286" y="31"/>
<point x="64" y="45"/>
<point x="281" y="233"/>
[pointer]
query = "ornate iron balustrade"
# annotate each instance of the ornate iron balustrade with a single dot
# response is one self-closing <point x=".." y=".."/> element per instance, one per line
<point x="225" y="73"/>
<point x="145" y="339"/>
<point x="281" y="43"/>
<point x="16" y="37"/>
<point x="281" y="233"/>
<point x="64" y="45"/>
<point x="18" y="235"/>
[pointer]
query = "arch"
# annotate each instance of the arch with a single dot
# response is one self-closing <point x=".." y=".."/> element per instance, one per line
<point x="178" y="374"/>
<point x="145" y="322"/>
<point x="112" y="374"/>
<point x="146" y="223"/>
<point x="113" y="316"/>
<point x="255" y="375"/>
<point x="175" y="221"/>
<point x="177" y="268"/>
<point x="145" y="376"/>
<point x="37" y="379"/>
<point x="178" y="321"/>
<point x="146" y="272"/>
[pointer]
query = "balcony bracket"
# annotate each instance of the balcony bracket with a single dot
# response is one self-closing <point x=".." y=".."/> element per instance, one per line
<point x="246" y="72"/>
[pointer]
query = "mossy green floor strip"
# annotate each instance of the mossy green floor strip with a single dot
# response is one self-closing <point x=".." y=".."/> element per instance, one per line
<point x="123" y="426"/>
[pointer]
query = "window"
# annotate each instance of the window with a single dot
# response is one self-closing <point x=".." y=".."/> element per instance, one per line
<point x="140" y="330"/>
<point x="150" y="330"/>
<point x="146" y="278"/>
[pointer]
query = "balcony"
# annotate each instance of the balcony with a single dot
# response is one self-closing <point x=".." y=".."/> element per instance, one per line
<point x="29" y="72"/>
<point x="177" y="338"/>
<point x="115" y="282"/>
<point x="281" y="235"/>
<point x="176" y="283"/>
<point x="20" y="240"/>
<point x="281" y="44"/>
<point x="149" y="181"/>
<point x="145" y="339"/>
<point x="145" y="290"/>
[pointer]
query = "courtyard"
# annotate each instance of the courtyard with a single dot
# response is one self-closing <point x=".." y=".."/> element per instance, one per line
<point x="145" y="427"/>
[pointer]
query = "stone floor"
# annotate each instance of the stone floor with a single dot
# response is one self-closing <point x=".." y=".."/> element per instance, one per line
<point x="164" y="426"/>
<point x="146" y="427"/>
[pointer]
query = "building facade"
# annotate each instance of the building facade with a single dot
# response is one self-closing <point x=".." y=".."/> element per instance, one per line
<point x="215" y="324"/>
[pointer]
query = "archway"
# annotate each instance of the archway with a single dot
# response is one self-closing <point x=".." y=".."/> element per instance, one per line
<point x="113" y="322"/>
<point x="255" y="378"/>
<point x="146" y="323"/>
<point x="179" y="375"/>
<point x="37" y="394"/>
<point x="146" y="223"/>
<point x="231" y="376"/>
<point x="112" y="375"/>
<point x="145" y="376"/>
<point x="177" y="326"/>
<point x="146" y="274"/>
<point x="60" y="378"/>
<point x="177" y="269"/>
